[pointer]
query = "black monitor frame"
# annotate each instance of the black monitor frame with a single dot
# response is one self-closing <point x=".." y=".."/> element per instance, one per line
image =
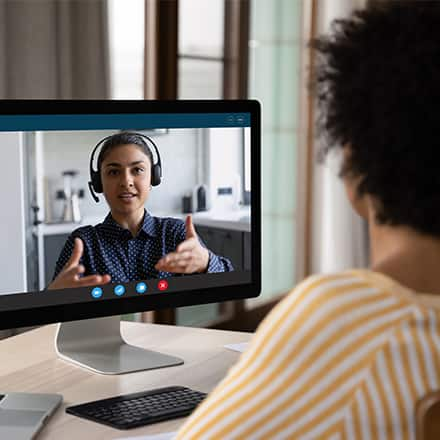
<point x="109" y="307"/>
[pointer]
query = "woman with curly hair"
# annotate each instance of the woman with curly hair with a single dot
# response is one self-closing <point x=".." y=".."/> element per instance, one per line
<point x="347" y="355"/>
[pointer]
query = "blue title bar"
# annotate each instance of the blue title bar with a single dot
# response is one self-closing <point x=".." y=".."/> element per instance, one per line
<point x="122" y="121"/>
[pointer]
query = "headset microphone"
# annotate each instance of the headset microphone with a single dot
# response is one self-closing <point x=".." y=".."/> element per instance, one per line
<point x="95" y="183"/>
<point x="95" y="197"/>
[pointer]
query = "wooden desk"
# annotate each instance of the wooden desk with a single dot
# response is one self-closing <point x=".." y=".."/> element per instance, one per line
<point x="29" y="364"/>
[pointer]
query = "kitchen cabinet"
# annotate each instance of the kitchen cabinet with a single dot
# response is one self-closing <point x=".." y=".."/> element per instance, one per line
<point x="53" y="244"/>
<point x="228" y="243"/>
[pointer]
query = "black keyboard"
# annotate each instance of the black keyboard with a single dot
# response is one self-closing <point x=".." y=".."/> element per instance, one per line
<point x="138" y="409"/>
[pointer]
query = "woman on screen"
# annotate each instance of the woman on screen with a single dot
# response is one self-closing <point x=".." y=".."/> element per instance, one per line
<point x="130" y="244"/>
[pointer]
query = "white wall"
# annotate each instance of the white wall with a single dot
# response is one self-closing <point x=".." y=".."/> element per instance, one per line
<point x="180" y="163"/>
<point x="12" y="235"/>
<point x="71" y="150"/>
<point x="225" y="160"/>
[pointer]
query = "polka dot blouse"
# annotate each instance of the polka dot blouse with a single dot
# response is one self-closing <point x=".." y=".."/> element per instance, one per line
<point x="111" y="249"/>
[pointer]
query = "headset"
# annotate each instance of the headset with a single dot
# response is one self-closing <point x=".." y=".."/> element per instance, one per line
<point x="95" y="183"/>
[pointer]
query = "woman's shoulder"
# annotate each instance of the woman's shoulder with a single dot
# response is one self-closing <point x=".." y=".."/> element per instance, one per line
<point x="326" y="281"/>
<point x="336" y="297"/>
<point x="168" y="223"/>
<point x="84" y="232"/>
<point x="352" y="277"/>
<point x="347" y="286"/>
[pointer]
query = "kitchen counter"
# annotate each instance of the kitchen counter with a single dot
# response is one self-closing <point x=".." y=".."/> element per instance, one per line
<point x="234" y="220"/>
<point x="237" y="220"/>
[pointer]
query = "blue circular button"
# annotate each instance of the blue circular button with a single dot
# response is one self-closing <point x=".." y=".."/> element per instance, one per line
<point x="96" y="292"/>
<point x="141" y="287"/>
<point x="119" y="290"/>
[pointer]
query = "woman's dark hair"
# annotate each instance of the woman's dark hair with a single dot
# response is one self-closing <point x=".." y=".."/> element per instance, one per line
<point x="378" y="90"/>
<point x="123" y="138"/>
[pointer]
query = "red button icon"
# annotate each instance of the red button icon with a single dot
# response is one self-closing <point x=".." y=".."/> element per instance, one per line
<point x="162" y="285"/>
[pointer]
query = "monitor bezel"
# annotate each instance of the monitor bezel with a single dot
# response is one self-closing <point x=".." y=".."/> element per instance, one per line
<point x="119" y="306"/>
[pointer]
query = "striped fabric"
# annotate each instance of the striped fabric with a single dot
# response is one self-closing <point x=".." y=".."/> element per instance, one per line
<point x="344" y="356"/>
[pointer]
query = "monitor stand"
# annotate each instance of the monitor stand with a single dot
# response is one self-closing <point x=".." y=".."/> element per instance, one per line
<point x="97" y="344"/>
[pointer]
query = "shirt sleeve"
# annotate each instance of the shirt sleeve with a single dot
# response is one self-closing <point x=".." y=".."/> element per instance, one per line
<point x="216" y="263"/>
<point x="299" y="375"/>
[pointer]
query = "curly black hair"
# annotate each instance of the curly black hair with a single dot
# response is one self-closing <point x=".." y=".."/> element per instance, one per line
<point x="377" y="84"/>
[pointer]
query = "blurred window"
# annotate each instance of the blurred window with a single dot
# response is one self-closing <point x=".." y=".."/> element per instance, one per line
<point x="207" y="69"/>
<point x="200" y="49"/>
<point x="126" y="29"/>
<point x="212" y="63"/>
<point x="274" y="79"/>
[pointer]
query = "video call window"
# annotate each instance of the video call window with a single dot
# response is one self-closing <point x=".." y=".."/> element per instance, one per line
<point x="101" y="207"/>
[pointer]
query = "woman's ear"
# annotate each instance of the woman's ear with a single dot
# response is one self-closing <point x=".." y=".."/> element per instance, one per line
<point x="360" y="203"/>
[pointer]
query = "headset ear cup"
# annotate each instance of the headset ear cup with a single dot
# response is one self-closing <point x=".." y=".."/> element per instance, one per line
<point x="156" y="173"/>
<point x="96" y="182"/>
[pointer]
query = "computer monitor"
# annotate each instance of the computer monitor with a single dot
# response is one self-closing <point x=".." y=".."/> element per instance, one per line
<point x="117" y="207"/>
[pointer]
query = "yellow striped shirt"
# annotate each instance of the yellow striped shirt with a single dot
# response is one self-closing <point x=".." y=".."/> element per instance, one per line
<point x="342" y="356"/>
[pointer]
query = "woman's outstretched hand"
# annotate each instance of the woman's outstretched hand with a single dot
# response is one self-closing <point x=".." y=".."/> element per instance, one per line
<point x="70" y="276"/>
<point x="189" y="257"/>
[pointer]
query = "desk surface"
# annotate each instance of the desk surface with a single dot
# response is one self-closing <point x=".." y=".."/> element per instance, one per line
<point x="29" y="364"/>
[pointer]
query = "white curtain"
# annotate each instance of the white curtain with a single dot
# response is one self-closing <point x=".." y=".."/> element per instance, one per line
<point x="339" y="235"/>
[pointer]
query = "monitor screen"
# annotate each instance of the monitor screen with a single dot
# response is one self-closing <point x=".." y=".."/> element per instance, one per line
<point x="124" y="206"/>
